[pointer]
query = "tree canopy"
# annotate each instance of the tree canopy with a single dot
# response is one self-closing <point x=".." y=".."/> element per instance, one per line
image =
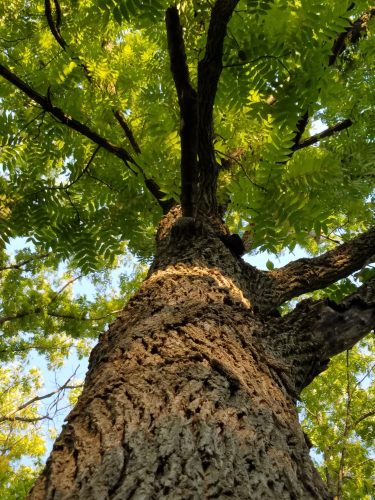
<point x="95" y="97"/>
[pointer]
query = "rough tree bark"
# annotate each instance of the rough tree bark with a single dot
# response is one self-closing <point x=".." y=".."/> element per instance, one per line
<point x="191" y="392"/>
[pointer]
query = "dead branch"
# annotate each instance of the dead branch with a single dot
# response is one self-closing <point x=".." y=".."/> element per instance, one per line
<point x="12" y="416"/>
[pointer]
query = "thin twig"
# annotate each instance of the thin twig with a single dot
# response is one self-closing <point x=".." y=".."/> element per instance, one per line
<point x="127" y="130"/>
<point x="35" y="399"/>
<point x="232" y="158"/>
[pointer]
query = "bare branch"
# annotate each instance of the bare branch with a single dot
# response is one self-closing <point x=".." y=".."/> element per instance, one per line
<point x="306" y="275"/>
<point x="19" y="265"/>
<point x="187" y="99"/>
<point x="12" y="416"/>
<point x="326" y="133"/>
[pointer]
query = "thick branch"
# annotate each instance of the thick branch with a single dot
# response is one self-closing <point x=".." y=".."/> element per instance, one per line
<point x="187" y="99"/>
<point x="343" y="325"/>
<point x="307" y="275"/>
<point x="209" y="71"/>
<point x="317" y="330"/>
<point x="54" y="27"/>
<point x="325" y="133"/>
<point x="210" y="67"/>
<point x="352" y="34"/>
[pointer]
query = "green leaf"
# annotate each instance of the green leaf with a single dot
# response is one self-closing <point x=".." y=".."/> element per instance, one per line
<point x="270" y="265"/>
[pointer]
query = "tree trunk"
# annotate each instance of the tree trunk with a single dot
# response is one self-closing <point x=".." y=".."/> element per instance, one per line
<point x="185" y="397"/>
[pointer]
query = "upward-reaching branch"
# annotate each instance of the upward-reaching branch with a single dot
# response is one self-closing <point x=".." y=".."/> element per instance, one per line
<point x="307" y="275"/>
<point x="54" y="27"/>
<point x="187" y="100"/>
<point x="209" y="71"/>
<point x="210" y="67"/>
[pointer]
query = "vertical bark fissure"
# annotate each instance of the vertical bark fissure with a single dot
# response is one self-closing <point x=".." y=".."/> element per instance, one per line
<point x="183" y="398"/>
